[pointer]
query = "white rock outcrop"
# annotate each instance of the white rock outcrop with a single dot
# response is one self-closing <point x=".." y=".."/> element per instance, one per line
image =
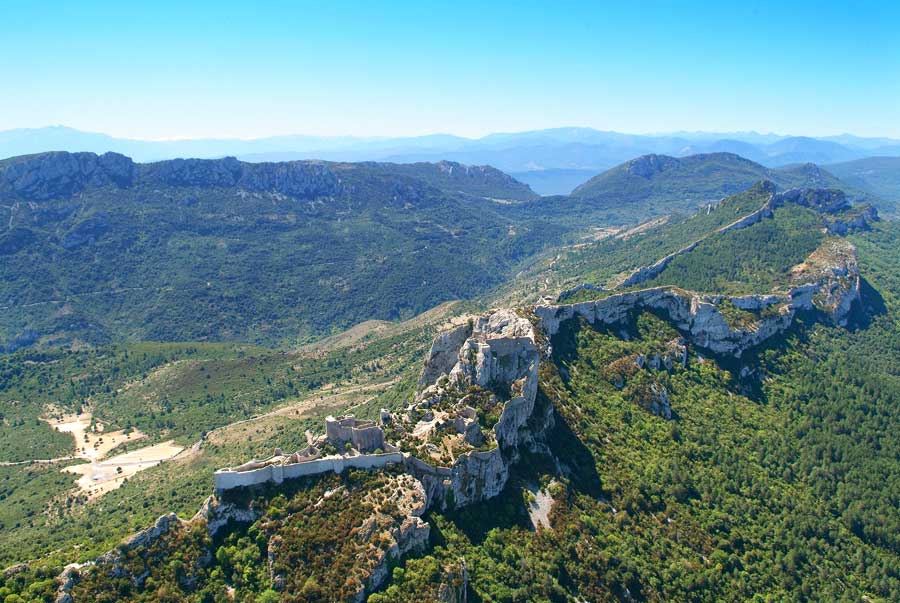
<point x="499" y="352"/>
<point x="700" y="318"/>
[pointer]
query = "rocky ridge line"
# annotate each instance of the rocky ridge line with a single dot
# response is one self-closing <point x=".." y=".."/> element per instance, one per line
<point x="831" y="202"/>
<point x="61" y="174"/>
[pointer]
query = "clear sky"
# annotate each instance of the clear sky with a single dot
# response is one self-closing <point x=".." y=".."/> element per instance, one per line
<point x="190" y="69"/>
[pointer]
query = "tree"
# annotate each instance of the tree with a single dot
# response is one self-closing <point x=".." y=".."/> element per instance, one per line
<point x="268" y="596"/>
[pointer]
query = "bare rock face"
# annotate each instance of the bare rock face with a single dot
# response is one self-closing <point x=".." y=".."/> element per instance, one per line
<point x="406" y="535"/>
<point x="478" y="476"/>
<point x="61" y="174"/>
<point x="444" y="353"/>
<point x="860" y="219"/>
<point x="194" y="172"/>
<point x="218" y="514"/>
<point x="700" y="318"/>
<point x="830" y="281"/>
<point x="827" y="200"/>
<point x="496" y="351"/>
<point x="454" y="584"/>
<point x="659" y="404"/>
<point x="65" y="581"/>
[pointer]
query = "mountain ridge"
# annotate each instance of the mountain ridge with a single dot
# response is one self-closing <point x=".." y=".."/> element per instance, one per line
<point x="195" y="232"/>
<point x="58" y="174"/>
<point x="474" y="367"/>
<point x="569" y="148"/>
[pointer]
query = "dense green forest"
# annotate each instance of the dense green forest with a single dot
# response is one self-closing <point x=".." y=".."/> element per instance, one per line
<point x="217" y="250"/>
<point x="262" y="270"/>
<point x="757" y="259"/>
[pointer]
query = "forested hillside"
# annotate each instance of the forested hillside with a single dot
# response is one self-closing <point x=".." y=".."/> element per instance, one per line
<point x="656" y="184"/>
<point x="99" y="250"/>
<point x="780" y="486"/>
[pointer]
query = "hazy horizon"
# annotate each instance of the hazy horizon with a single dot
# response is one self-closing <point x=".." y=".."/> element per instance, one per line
<point x="435" y="133"/>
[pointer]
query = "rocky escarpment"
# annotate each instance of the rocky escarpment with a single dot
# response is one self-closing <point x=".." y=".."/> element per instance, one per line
<point x="858" y="218"/>
<point x="120" y="561"/>
<point x="132" y="560"/>
<point x="710" y="321"/>
<point x="389" y="526"/>
<point x="838" y="217"/>
<point x="491" y="363"/>
<point x="61" y="174"/>
<point x="450" y="176"/>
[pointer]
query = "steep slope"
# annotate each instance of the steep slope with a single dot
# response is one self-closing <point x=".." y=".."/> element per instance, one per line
<point x="618" y="252"/>
<point x="697" y="178"/>
<point x="456" y="178"/>
<point x="810" y="175"/>
<point x="705" y="177"/>
<point x="877" y="175"/>
<point x="98" y="248"/>
<point x="719" y="481"/>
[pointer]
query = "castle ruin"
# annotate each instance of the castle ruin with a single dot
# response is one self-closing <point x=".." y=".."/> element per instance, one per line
<point x="362" y="435"/>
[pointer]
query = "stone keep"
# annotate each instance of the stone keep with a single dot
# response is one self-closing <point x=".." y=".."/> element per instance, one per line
<point x="364" y="436"/>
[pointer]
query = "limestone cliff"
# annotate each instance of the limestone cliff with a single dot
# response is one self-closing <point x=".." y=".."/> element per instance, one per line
<point x="494" y="357"/>
<point x="702" y="319"/>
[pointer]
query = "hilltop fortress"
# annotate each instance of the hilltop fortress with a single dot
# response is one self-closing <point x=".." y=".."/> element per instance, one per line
<point x="458" y="437"/>
<point x="475" y="407"/>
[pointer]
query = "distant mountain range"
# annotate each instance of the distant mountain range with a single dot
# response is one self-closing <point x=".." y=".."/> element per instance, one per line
<point x="552" y="161"/>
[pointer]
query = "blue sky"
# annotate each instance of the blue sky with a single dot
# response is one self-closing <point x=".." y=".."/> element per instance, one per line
<point x="231" y="69"/>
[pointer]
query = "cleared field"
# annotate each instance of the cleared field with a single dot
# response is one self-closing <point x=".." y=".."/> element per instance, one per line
<point x="99" y="477"/>
<point x="91" y="444"/>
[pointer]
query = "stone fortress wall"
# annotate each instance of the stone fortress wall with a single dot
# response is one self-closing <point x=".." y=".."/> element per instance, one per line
<point x="366" y="438"/>
<point x="277" y="472"/>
